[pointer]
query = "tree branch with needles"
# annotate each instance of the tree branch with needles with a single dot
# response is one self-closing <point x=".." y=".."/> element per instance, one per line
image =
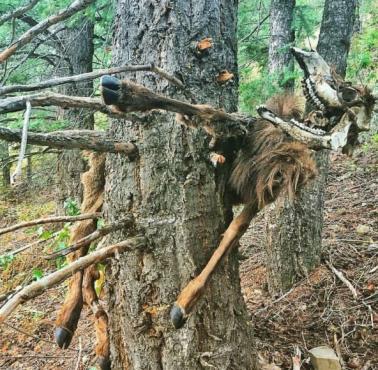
<point x="74" y="8"/>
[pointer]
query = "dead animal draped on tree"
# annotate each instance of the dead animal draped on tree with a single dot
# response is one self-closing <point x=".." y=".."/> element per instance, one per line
<point x="263" y="157"/>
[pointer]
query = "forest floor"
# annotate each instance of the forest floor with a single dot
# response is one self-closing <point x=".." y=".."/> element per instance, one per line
<point x="319" y="310"/>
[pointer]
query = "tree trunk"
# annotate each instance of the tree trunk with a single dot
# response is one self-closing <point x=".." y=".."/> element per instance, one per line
<point x="78" y="44"/>
<point x="5" y="167"/>
<point x="282" y="37"/>
<point x="294" y="231"/>
<point x="171" y="191"/>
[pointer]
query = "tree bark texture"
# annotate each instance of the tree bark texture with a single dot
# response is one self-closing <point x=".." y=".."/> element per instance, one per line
<point x="78" y="47"/>
<point x="5" y="166"/>
<point x="294" y="231"/>
<point x="282" y="37"/>
<point x="171" y="190"/>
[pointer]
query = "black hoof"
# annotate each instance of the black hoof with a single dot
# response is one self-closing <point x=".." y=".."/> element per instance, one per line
<point x="63" y="337"/>
<point x="178" y="316"/>
<point x="110" y="87"/>
<point x="103" y="363"/>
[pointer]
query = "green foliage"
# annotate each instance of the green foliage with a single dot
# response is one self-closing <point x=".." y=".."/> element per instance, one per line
<point x="37" y="273"/>
<point x="5" y="261"/>
<point x="71" y="207"/>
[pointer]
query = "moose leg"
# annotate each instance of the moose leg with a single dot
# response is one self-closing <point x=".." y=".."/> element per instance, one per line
<point x="101" y="318"/>
<point x="68" y="316"/>
<point x="193" y="291"/>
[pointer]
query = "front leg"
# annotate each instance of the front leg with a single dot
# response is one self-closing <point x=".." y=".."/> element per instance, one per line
<point x="194" y="290"/>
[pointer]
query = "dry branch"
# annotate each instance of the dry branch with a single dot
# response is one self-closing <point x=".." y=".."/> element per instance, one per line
<point x="18" y="103"/>
<point x="91" y="76"/>
<point x="90" y="238"/>
<point x="341" y="276"/>
<point x="18" y="12"/>
<point x="49" y="220"/>
<point x="16" y="176"/>
<point x="75" y="7"/>
<point x="38" y="287"/>
<point x="72" y="139"/>
<point x="76" y="78"/>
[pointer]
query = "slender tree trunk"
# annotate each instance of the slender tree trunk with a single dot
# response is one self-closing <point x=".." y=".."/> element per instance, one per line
<point x="282" y="37"/>
<point x="78" y="43"/>
<point x="294" y="230"/>
<point x="5" y="167"/>
<point x="29" y="165"/>
<point x="171" y="190"/>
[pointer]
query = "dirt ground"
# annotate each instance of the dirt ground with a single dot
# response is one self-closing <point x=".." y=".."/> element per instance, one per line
<point x="320" y="310"/>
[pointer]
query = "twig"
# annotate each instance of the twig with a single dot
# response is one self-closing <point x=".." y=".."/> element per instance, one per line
<point x="91" y="76"/>
<point x="77" y="367"/>
<point x="338" y="351"/>
<point x="30" y="245"/>
<point x="38" y="287"/>
<point x="49" y="220"/>
<point x="90" y="238"/>
<point x="341" y="276"/>
<point x="18" y="12"/>
<point x="16" y="176"/>
<point x="35" y="336"/>
<point x="75" y="7"/>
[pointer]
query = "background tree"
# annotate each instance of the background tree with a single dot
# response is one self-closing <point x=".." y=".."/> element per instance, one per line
<point x="76" y="43"/>
<point x="294" y="231"/>
<point x="170" y="189"/>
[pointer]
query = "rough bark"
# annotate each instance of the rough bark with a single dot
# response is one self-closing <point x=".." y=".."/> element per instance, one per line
<point x="78" y="43"/>
<point x="282" y="38"/>
<point x="175" y="197"/>
<point x="4" y="163"/>
<point x="294" y="231"/>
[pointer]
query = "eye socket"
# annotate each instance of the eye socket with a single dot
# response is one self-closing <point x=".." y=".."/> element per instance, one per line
<point x="348" y="94"/>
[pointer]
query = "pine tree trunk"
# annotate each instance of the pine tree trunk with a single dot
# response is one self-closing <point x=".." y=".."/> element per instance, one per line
<point x="171" y="191"/>
<point x="5" y="167"/>
<point x="294" y="231"/>
<point x="282" y="37"/>
<point x="78" y="44"/>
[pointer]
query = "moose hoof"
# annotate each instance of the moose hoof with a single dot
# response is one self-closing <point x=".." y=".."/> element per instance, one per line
<point x="110" y="86"/>
<point x="63" y="337"/>
<point x="178" y="316"/>
<point x="103" y="363"/>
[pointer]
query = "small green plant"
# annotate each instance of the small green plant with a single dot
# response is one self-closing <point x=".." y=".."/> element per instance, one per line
<point x="37" y="273"/>
<point x="5" y="261"/>
<point x="71" y="207"/>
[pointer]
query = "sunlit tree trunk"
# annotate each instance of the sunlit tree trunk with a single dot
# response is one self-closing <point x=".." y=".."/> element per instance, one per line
<point x="294" y="230"/>
<point x="171" y="191"/>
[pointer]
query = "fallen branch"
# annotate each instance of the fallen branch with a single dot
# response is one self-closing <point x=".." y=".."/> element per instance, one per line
<point x="341" y="276"/>
<point x="90" y="238"/>
<point x="16" y="176"/>
<point x="49" y="220"/>
<point x="38" y="287"/>
<point x="18" y="12"/>
<point x="74" y="8"/>
<point x="97" y="141"/>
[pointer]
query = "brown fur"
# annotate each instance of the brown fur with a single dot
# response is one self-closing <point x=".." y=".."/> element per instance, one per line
<point x="269" y="161"/>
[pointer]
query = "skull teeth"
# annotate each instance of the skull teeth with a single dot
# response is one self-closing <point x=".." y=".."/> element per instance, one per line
<point x="310" y="94"/>
<point x="308" y="129"/>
